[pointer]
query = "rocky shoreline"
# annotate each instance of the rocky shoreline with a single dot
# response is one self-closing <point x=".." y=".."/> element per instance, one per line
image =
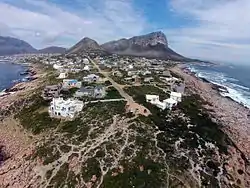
<point x="10" y="104"/>
<point x="233" y="116"/>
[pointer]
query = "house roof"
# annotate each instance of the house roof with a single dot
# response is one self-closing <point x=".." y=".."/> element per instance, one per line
<point x="70" y="80"/>
<point x="170" y="101"/>
<point x="86" y="89"/>
<point x="166" y="73"/>
<point x="175" y="94"/>
<point x="149" y="97"/>
<point x="93" y="76"/>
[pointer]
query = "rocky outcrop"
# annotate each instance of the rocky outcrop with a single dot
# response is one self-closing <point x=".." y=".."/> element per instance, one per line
<point x="152" y="45"/>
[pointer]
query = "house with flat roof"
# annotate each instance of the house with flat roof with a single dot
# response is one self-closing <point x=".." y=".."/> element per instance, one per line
<point x="91" y="78"/>
<point x="91" y="91"/>
<point x="176" y="96"/>
<point x="167" y="103"/>
<point x="63" y="75"/>
<point x="51" y="91"/>
<point x="65" y="108"/>
<point x="170" y="103"/>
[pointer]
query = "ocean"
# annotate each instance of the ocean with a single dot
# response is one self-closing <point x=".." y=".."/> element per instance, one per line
<point x="10" y="74"/>
<point x="235" y="78"/>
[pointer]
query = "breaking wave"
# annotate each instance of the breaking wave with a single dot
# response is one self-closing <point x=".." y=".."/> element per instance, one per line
<point x="233" y="87"/>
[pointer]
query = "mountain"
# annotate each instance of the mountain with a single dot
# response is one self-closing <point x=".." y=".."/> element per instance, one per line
<point x="152" y="45"/>
<point x="87" y="45"/>
<point x="10" y="46"/>
<point x="53" y="50"/>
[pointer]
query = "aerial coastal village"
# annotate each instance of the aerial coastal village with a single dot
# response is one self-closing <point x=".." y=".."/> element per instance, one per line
<point x="127" y="113"/>
<point x="95" y="83"/>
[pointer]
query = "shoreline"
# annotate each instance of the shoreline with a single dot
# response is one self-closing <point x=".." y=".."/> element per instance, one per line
<point x="30" y="75"/>
<point x="19" y="91"/>
<point x="223" y="90"/>
<point x="233" y="117"/>
<point x="10" y="104"/>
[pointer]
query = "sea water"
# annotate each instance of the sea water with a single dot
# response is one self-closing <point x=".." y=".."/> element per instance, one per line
<point x="10" y="74"/>
<point x="235" y="78"/>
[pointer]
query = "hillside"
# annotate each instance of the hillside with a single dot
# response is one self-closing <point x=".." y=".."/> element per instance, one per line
<point x="11" y="46"/>
<point x="53" y="50"/>
<point x="152" y="45"/>
<point x="87" y="45"/>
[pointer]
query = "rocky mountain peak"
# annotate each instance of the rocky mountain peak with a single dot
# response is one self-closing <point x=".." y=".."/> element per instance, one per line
<point x="86" y="45"/>
<point x="152" y="39"/>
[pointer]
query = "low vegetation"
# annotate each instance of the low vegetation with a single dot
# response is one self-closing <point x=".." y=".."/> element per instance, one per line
<point x="112" y="93"/>
<point x="35" y="117"/>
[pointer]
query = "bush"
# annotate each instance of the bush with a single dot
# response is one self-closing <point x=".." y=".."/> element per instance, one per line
<point x="112" y="93"/>
<point x="34" y="119"/>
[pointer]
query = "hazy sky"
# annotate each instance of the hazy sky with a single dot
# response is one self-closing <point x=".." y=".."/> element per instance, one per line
<point x="207" y="29"/>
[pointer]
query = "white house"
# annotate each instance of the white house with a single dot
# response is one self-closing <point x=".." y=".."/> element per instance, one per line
<point x="152" y="98"/>
<point x="86" y="68"/>
<point x="167" y="103"/>
<point x="57" y="67"/>
<point x="63" y="75"/>
<point x="91" y="78"/>
<point x="85" y="61"/>
<point x="130" y="67"/>
<point x="161" y="105"/>
<point x="170" y="103"/>
<point x="147" y="72"/>
<point x="155" y="100"/>
<point x="176" y="96"/>
<point x="65" y="108"/>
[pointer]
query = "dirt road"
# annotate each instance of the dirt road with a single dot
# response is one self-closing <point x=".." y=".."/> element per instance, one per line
<point x="131" y="104"/>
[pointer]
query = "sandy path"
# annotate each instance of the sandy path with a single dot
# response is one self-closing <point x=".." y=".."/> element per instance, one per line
<point x="131" y="104"/>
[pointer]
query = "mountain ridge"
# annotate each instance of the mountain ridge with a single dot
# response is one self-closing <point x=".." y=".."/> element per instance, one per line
<point x="152" y="45"/>
<point x="12" y="46"/>
<point x="53" y="49"/>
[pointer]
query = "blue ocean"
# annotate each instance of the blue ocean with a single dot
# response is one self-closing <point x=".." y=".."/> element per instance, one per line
<point x="10" y="74"/>
<point x="235" y="78"/>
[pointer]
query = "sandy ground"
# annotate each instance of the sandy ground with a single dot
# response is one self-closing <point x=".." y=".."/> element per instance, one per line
<point x="233" y="116"/>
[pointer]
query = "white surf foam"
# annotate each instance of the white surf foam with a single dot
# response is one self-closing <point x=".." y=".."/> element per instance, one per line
<point x="236" y="92"/>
